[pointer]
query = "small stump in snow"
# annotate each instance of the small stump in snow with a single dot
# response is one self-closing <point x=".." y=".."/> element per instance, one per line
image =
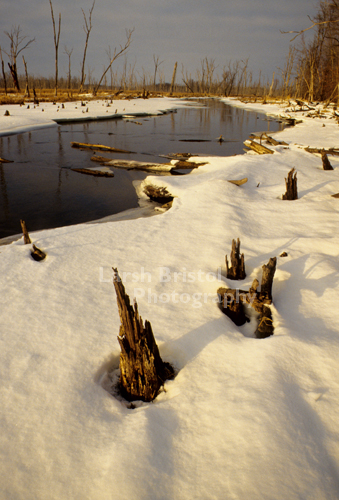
<point x="232" y="301"/>
<point x="158" y="194"/>
<point x="237" y="269"/>
<point x="142" y="371"/>
<point x="291" y="186"/>
<point x="325" y="161"/>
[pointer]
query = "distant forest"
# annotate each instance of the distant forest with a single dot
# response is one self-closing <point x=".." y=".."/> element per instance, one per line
<point x="310" y="70"/>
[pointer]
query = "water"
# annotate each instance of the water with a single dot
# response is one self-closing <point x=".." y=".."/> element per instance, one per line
<point x="41" y="188"/>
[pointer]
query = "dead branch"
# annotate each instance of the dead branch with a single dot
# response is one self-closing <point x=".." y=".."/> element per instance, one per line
<point x="117" y="53"/>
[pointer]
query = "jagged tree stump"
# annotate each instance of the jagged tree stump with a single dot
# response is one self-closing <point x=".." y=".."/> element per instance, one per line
<point x="291" y="186"/>
<point x="142" y="371"/>
<point x="27" y="239"/>
<point x="237" y="269"/>
<point x="325" y="160"/>
<point x="264" y="299"/>
<point x="232" y="301"/>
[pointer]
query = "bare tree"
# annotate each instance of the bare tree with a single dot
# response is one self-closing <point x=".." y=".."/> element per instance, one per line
<point x="3" y="71"/>
<point x="117" y="53"/>
<point x="156" y="66"/>
<point x="56" y="33"/>
<point x="27" y="94"/>
<point x="17" y="44"/>
<point x="87" y="29"/>
<point x="69" y="76"/>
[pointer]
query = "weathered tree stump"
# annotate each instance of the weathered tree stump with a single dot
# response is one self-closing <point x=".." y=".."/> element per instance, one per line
<point x="265" y="327"/>
<point x="237" y="269"/>
<point x="325" y="160"/>
<point x="37" y="254"/>
<point x="232" y="301"/>
<point x="142" y="371"/>
<point x="291" y="186"/>
<point x="27" y="239"/>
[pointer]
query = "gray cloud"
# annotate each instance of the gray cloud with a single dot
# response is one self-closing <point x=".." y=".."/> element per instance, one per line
<point x="175" y="30"/>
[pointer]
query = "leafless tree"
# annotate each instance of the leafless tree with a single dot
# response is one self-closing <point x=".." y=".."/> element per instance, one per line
<point x="27" y="94"/>
<point x="18" y="43"/>
<point x="69" y="77"/>
<point x="56" y="33"/>
<point x="156" y="66"/>
<point x="3" y="71"/>
<point x="87" y="29"/>
<point x="317" y="60"/>
<point x="117" y="53"/>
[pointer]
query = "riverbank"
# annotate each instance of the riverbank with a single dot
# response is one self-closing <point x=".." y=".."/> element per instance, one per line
<point x="242" y="414"/>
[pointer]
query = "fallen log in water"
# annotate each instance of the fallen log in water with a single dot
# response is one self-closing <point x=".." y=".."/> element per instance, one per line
<point x="177" y="156"/>
<point x="2" y="160"/>
<point x="92" y="171"/>
<point x="98" y="147"/>
<point x="140" y="165"/>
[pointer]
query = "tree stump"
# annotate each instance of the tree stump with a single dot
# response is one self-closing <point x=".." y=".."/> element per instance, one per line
<point x="237" y="269"/>
<point x="265" y="327"/>
<point x="27" y="239"/>
<point x="325" y="160"/>
<point x="291" y="186"/>
<point x="231" y="301"/>
<point x="231" y="304"/>
<point x="37" y="254"/>
<point x="142" y="371"/>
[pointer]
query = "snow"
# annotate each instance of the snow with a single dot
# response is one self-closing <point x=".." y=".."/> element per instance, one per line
<point x="244" y="418"/>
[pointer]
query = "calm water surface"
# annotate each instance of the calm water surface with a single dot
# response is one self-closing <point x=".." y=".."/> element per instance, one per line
<point x="41" y="188"/>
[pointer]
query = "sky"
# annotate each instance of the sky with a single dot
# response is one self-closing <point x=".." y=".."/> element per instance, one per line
<point x="185" y="32"/>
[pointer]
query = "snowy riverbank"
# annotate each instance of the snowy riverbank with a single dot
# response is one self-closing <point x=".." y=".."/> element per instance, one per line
<point x="244" y="418"/>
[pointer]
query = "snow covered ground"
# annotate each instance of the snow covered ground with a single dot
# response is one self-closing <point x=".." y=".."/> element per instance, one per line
<point x="244" y="418"/>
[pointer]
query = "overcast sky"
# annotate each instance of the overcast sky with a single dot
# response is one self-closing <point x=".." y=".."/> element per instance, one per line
<point x="185" y="31"/>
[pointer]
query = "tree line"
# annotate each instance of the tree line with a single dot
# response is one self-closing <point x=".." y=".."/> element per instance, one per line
<point x="310" y="71"/>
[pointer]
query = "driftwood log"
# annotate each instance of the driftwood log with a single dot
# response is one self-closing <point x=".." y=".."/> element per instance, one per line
<point x="239" y="182"/>
<point x="232" y="301"/>
<point x="92" y="171"/>
<point x="330" y="151"/>
<point x="291" y="186"/>
<point x="258" y="148"/>
<point x="97" y="147"/>
<point x="142" y="371"/>
<point x="237" y="269"/>
<point x="268" y="139"/>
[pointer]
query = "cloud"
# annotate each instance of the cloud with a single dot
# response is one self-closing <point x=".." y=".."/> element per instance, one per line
<point x="175" y="30"/>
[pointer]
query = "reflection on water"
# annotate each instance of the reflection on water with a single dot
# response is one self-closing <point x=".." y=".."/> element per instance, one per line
<point x="41" y="188"/>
